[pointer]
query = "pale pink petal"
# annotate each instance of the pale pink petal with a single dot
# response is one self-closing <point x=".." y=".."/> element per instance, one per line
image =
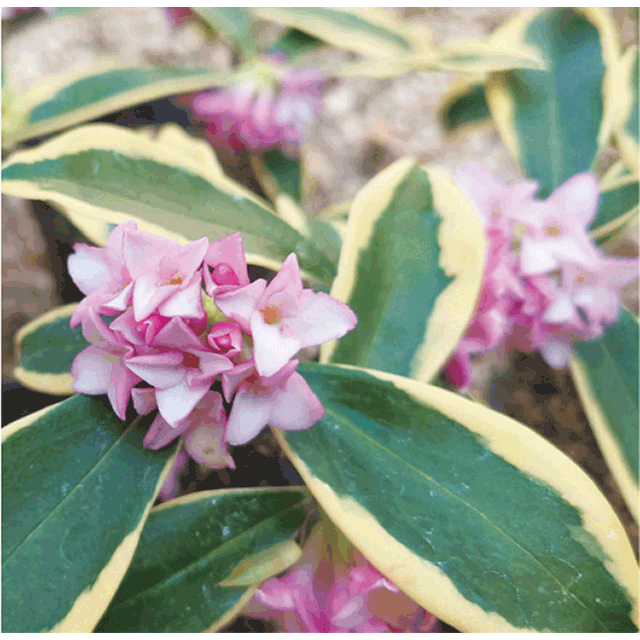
<point x="122" y="300"/>
<point x="170" y="488"/>
<point x="188" y="258"/>
<point x="577" y="197"/>
<point x="142" y="251"/>
<point x="271" y="349"/>
<point x="177" y="334"/>
<point x="482" y="187"/>
<point x="88" y="268"/>
<point x="159" y="370"/>
<point x="321" y="319"/>
<point x="91" y="371"/>
<point x="227" y="258"/>
<point x="144" y="400"/>
<point x="240" y="304"/>
<point x="161" y="433"/>
<point x="148" y="294"/>
<point x="207" y="445"/>
<point x="249" y="415"/>
<point x="557" y="354"/>
<point x="295" y="407"/>
<point x="122" y="382"/>
<point x="211" y="364"/>
<point x="177" y="401"/>
<point x="535" y="257"/>
<point x="186" y="302"/>
<point x="232" y="378"/>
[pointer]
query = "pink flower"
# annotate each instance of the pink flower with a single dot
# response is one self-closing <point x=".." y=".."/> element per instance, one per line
<point x="165" y="273"/>
<point x="285" y="317"/>
<point x="178" y="15"/>
<point x="283" y="400"/>
<point x="102" y="367"/>
<point x="182" y="373"/>
<point x="320" y="596"/>
<point x="204" y="430"/>
<point x="101" y="274"/>
<point x="255" y="114"/>
<point x="171" y="488"/>
<point x="557" y="227"/>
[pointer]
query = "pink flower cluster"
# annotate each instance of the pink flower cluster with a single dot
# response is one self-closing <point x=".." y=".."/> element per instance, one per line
<point x="546" y="283"/>
<point x="321" y="596"/>
<point x="169" y="340"/>
<point x="261" y="114"/>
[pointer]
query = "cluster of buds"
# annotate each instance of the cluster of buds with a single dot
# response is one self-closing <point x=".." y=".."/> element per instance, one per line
<point x="546" y="283"/>
<point x="269" y="105"/>
<point x="327" y="593"/>
<point x="177" y="317"/>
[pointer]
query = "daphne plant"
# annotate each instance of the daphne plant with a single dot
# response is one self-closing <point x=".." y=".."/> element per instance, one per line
<point x="433" y="505"/>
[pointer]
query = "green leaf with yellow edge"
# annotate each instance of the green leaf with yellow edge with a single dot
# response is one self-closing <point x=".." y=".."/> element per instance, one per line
<point x="464" y="104"/>
<point x="555" y="121"/>
<point x="624" y="90"/>
<point x="232" y="23"/>
<point x="199" y="554"/>
<point x="605" y="372"/>
<point x="46" y="348"/>
<point x="470" y="513"/>
<point x="294" y="43"/>
<point x="109" y="173"/>
<point x="77" y="487"/>
<point x="73" y="98"/>
<point x="371" y="32"/>
<point x="618" y="204"/>
<point x="411" y="269"/>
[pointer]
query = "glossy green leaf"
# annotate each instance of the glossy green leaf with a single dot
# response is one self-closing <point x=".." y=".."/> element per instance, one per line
<point x="606" y="374"/>
<point x="70" y="100"/>
<point x="63" y="12"/>
<point x="232" y="23"/>
<point x="108" y="173"/>
<point x="46" y="348"/>
<point x="618" y="203"/>
<point x="189" y="546"/>
<point x="473" y="515"/>
<point x="555" y="121"/>
<point x="408" y="272"/>
<point x="294" y="43"/>
<point x="77" y="487"/>
<point x="372" y="32"/>
<point x="464" y="104"/>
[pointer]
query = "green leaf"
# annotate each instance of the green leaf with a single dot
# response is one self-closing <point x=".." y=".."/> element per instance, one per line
<point x="605" y="371"/>
<point x="294" y="43"/>
<point x="618" y="203"/>
<point x="465" y="104"/>
<point x="63" y="12"/>
<point x="473" y="515"/>
<point x="232" y="23"/>
<point x="372" y="32"/>
<point x="69" y="100"/>
<point x="77" y="487"/>
<point x="555" y="121"/>
<point x="108" y="173"/>
<point x="625" y="94"/>
<point x="408" y="273"/>
<point x="286" y="171"/>
<point x="190" y="545"/>
<point x="46" y="348"/>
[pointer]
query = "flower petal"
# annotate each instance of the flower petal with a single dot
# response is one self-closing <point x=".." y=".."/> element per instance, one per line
<point x="176" y="402"/>
<point x="249" y="415"/>
<point x="271" y="349"/>
<point x="91" y="371"/>
<point x="88" y="268"/>
<point x="240" y="304"/>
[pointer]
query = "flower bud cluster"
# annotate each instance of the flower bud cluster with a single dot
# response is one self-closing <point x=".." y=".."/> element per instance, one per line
<point x="273" y="106"/>
<point x="546" y="284"/>
<point x="166" y="321"/>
